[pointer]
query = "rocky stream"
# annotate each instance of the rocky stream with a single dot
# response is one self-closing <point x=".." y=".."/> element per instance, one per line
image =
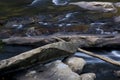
<point x="28" y="25"/>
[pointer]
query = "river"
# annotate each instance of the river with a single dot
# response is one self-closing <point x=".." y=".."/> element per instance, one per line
<point x="103" y="70"/>
<point x="44" y="17"/>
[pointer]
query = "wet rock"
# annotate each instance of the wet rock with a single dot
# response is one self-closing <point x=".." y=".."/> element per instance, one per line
<point x="117" y="19"/>
<point x="117" y="73"/>
<point x="117" y="4"/>
<point x="96" y="6"/>
<point x="63" y="71"/>
<point x="88" y="76"/>
<point x="54" y="71"/>
<point x="76" y="64"/>
<point x="32" y="32"/>
<point x="16" y="24"/>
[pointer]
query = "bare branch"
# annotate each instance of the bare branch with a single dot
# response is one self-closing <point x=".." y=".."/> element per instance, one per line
<point x="106" y="59"/>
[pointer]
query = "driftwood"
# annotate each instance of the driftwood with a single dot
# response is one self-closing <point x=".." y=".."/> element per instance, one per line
<point x="87" y="40"/>
<point x="40" y="54"/>
<point x="106" y="59"/>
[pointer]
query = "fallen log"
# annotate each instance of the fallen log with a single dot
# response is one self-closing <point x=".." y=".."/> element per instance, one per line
<point x="40" y="54"/>
<point x="87" y="40"/>
<point x="50" y="52"/>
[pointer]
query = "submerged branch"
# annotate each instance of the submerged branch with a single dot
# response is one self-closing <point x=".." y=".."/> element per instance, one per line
<point x="106" y="59"/>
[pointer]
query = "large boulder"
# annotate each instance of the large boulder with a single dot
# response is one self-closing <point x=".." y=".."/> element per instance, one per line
<point x="76" y="64"/>
<point x="54" y="71"/>
<point x="88" y="76"/>
<point x="96" y="6"/>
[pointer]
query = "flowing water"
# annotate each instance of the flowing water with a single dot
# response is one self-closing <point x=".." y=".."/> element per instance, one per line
<point x="103" y="70"/>
<point x="44" y="17"/>
<point x="33" y="18"/>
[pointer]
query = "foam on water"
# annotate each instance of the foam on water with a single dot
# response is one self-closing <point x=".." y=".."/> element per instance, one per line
<point x="34" y="2"/>
<point x="60" y="2"/>
<point x="115" y="53"/>
<point x="88" y="58"/>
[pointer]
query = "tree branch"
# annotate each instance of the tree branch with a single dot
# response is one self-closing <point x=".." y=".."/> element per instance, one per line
<point x="106" y="59"/>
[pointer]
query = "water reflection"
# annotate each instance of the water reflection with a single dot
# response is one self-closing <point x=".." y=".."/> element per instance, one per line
<point x="116" y="53"/>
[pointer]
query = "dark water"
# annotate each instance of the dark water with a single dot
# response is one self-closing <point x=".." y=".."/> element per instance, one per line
<point x="103" y="70"/>
<point x="38" y="17"/>
<point x="13" y="50"/>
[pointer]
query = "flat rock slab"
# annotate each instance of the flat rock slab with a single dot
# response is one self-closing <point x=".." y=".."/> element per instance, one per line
<point x="96" y="6"/>
<point x="56" y="70"/>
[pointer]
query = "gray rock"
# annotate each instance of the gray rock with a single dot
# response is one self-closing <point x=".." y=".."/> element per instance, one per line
<point x="96" y="6"/>
<point x="76" y="64"/>
<point x="54" y="71"/>
<point x="62" y="71"/>
<point x="117" y="19"/>
<point x="117" y="4"/>
<point x="88" y="76"/>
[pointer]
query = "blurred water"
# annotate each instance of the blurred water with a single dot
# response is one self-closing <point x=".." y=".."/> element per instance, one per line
<point x="103" y="70"/>
<point x="113" y="54"/>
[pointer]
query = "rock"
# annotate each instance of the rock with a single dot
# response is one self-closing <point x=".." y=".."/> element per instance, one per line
<point x="117" y="4"/>
<point x="117" y="73"/>
<point x="32" y="31"/>
<point x="96" y="6"/>
<point x="88" y="76"/>
<point x="117" y="19"/>
<point x="18" y="22"/>
<point x="54" y="71"/>
<point x="76" y="64"/>
<point x="63" y="71"/>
